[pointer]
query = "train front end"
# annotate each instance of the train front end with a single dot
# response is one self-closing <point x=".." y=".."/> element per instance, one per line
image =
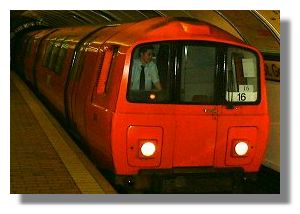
<point x="207" y="116"/>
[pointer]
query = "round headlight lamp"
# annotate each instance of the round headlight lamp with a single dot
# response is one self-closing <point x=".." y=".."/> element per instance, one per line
<point x="148" y="149"/>
<point x="241" y="148"/>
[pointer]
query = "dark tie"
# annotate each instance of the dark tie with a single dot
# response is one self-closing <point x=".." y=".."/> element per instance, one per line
<point x="142" y="78"/>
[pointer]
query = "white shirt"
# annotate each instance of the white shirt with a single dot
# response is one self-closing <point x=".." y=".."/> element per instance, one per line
<point x="151" y="75"/>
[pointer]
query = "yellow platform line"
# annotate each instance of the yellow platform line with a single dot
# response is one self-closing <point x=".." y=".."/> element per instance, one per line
<point x="81" y="176"/>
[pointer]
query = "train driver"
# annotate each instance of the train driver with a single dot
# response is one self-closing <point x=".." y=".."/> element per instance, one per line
<point x="144" y="71"/>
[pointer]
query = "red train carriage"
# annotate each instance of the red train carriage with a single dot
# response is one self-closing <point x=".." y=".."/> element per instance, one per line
<point x="204" y="106"/>
<point x="32" y="46"/>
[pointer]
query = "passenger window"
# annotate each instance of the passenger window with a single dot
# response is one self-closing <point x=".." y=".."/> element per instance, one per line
<point x="54" y="54"/>
<point x="102" y="78"/>
<point x="99" y="68"/>
<point x="112" y="65"/>
<point x="106" y="61"/>
<point x="29" y="46"/>
<point x="61" y="58"/>
<point x="149" y="79"/>
<point x="48" y="53"/>
<point x="241" y="76"/>
<point x="198" y="69"/>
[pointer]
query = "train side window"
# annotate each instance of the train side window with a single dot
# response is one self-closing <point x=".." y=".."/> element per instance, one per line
<point x="48" y="53"/>
<point x="99" y="68"/>
<point x="25" y="45"/>
<point x="241" y="76"/>
<point x="54" y="54"/>
<point x="29" y="46"/>
<point x="112" y="65"/>
<point x="105" y="67"/>
<point x="61" y="58"/>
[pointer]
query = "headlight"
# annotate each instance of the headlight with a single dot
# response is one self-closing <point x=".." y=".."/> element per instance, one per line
<point x="241" y="148"/>
<point x="152" y="96"/>
<point x="148" y="149"/>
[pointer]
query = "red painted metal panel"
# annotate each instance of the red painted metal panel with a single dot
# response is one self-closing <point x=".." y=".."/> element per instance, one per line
<point x="196" y="129"/>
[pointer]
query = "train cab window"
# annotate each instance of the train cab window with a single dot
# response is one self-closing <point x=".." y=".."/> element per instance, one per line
<point x="197" y="74"/>
<point x="192" y="72"/>
<point x="149" y="79"/>
<point x="241" y="76"/>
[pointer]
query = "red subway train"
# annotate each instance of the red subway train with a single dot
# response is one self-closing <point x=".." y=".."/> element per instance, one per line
<point x="163" y="96"/>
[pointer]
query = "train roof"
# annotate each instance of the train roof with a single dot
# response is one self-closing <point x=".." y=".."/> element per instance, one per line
<point x="150" y="30"/>
<point x="172" y="28"/>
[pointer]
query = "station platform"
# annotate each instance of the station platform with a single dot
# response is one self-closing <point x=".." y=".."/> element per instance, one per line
<point x="43" y="157"/>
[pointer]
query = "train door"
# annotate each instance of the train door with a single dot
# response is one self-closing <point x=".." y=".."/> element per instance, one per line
<point x="197" y="109"/>
<point x="33" y="53"/>
<point x="72" y="90"/>
<point x="86" y="61"/>
<point x="188" y="72"/>
<point x="99" y="111"/>
<point x="50" y="75"/>
<point x="60" y="62"/>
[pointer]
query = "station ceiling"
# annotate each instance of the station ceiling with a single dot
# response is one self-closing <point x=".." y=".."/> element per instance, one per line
<point x="260" y="28"/>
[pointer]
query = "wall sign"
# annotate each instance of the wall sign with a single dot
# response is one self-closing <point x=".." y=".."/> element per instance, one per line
<point x="272" y="69"/>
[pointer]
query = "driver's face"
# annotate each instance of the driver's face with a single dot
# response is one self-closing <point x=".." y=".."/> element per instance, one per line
<point x="146" y="57"/>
